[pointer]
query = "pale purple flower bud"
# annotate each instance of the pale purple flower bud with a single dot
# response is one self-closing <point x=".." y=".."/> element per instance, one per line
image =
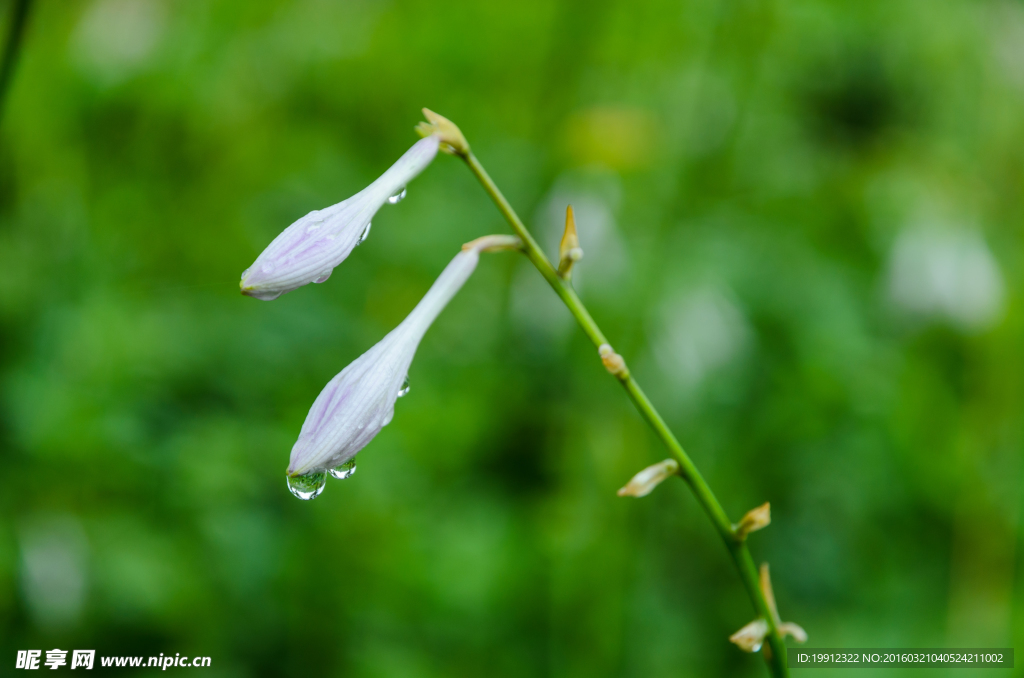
<point x="308" y="250"/>
<point x="360" y="401"/>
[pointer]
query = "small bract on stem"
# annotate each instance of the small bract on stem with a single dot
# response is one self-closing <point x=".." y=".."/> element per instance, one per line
<point x="569" y="250"/>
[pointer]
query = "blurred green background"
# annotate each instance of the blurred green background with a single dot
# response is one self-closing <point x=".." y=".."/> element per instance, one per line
<point x="803" y="228"/>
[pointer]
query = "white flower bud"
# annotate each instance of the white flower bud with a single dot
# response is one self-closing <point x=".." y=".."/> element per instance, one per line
<point x="308" y="250"/>
<point x="360" y="401"/>
<point x="643" y="483"/>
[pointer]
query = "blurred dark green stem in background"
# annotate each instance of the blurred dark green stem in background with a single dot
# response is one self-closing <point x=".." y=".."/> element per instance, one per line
<point x="12" y="45"/>
<point x="736" y="545"/>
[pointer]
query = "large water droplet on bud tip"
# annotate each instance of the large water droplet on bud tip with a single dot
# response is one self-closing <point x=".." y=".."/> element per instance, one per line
<point x="308" y="486"/>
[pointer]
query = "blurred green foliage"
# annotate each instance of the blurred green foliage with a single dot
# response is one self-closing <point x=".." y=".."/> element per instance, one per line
<point x="803" y="226"/>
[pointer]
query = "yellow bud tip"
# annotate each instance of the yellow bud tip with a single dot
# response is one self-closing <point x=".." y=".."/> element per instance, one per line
<point x="452" y="140"/>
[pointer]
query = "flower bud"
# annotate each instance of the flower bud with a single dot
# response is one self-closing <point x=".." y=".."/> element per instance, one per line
<point x="643" y="483"/>
<point x="452" y="140"/>
<point x="308" y="250"/>
<point x="360" y="401"/>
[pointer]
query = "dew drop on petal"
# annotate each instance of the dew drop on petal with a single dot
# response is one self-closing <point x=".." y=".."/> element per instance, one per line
<point x="263" y="295"/>
<point x="365" y="234"/>
<point x="308" y="486"/>
<point x="405" y="387"/>
<point x="267" y="268"/>
<point x="245" y="273"/>
<point x="324" y="277"/>
<point x="756" y="647"/>
<point x="345" y="470"/>
<point x="397" y="197"/>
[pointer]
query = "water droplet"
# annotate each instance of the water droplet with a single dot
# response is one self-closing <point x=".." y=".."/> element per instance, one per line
<point x="756" y="647"/>
<point x="267" y="268"/>
<point x="324" y="277"/>
<point x="397" y="197"/>
<point x="345" y="470"/>
<point x="308" y="486"/>
<point x="365" y="234"/>
<point x="263" y="295"/>
<point x="405" y="387"/>
<point x="245" y="273"/>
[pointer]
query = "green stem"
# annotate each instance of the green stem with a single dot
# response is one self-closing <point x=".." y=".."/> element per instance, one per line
<point x="15" y="33"/>
<point x="737" y="546"/>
